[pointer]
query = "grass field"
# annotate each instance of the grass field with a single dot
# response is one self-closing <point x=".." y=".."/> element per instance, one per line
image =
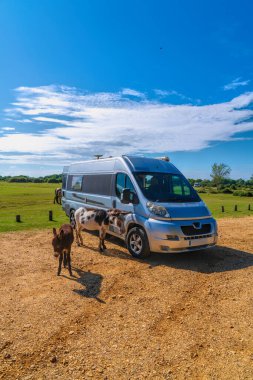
<point x="33" y="202"/>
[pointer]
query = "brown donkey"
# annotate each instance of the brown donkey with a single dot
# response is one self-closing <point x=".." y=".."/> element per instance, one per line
<point x="62" y="246"/>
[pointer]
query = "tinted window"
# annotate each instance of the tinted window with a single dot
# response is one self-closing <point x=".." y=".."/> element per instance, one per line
<point x="64" y="181"/>
<point x="97" y="184"/>
<point x="120" y="183"/>
<point x="165" y="187"/>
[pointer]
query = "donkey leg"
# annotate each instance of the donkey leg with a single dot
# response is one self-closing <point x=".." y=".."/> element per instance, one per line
<point x="65" y="259"/>
<point x="100" y="246"/>
<point x="77" y="235"/>
<point x="103" y="238"/>
<point x="60" y="263"/>
<point x="80" y="236"/>
<point x="69" y="263"/>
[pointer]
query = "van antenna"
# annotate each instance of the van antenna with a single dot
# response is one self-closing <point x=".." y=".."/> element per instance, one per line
<point x="98" y="156"/>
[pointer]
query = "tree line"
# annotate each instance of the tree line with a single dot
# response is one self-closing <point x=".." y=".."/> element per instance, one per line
<point x="54" y="178"/>
<point x="220" y="178"/>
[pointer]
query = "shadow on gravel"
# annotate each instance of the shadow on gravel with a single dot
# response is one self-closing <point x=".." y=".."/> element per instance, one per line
<point x="90" y="281"/>
<point x="211" y="260"/>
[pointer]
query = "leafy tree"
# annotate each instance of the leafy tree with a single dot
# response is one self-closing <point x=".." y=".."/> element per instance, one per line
<point x="219" y="173"/>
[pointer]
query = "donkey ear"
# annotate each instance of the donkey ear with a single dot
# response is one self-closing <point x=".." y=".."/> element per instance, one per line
<point x="54" y="232"/>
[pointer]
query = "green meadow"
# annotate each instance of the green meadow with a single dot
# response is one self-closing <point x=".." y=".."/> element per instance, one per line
<point x="34" y="200"/>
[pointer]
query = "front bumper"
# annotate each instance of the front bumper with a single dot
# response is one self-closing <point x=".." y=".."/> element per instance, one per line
<point x="167" y="236"/>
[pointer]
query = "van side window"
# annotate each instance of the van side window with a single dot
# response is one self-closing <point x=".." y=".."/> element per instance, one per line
<point x="76" y="183"/>
<point x="120" y="183"/>
<point x="64" y="181"/>
<point x="123" y="182"/>
<point x="99" y="184"/>
<point x="129" y="184"/>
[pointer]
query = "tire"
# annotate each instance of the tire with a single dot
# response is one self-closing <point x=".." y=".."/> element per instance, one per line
<point x="72" y="218"/>
<point x="137" y="243"/>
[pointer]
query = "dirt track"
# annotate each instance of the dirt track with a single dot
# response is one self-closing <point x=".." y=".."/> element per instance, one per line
<point x="180" y="316"/>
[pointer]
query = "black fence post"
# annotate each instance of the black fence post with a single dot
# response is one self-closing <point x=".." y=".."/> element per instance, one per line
<point x="235" y="207"/>
<point x="249" y="207"/>
<point x="222" y="209"/>
<point x="50" y="214"/>
<point x="18" y="218"/>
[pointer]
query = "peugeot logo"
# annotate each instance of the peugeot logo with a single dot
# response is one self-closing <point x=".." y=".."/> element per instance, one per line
<point x="197" y="225"/>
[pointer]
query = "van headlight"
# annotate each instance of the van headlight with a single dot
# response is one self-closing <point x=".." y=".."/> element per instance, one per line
<point x="158" y="210"/>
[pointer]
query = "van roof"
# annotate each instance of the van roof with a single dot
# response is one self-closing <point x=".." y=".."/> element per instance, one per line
<point x="134" y="163"/>
<point x="146" y="164"/>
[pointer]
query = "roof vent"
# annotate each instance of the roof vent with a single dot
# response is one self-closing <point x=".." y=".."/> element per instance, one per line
<point x="98" y="156"/>
<point x="165" y="158"/>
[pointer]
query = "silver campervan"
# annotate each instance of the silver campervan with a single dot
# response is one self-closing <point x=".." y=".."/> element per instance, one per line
<point x="165" y="213"/>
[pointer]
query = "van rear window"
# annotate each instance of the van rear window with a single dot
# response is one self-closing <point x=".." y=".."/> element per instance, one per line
<point x="64" y="181"/>
<point x="76" y="183"/>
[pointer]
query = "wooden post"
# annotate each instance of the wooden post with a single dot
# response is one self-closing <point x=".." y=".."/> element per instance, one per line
<point x="18" y="218"/>
<point x="249" y="207"/>
<point x="235" y="207"/>
<point x="222" y="209"/>
<point x="50" y="215"/>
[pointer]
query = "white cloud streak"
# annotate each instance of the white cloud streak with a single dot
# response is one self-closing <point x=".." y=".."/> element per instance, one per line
<point x="166" y="93"/>
<point x="8" y="129"/>
<point x="236" y="83"/>
<point x="84" y="124"/>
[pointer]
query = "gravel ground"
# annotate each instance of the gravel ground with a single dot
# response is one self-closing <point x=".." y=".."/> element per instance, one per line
<point x="173" y="316"/>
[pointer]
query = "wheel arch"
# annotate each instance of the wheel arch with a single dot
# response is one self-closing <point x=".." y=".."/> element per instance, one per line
<point x="132" y="225"/>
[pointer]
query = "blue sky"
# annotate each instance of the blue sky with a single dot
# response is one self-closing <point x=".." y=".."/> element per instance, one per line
<point x="156" y="77"/>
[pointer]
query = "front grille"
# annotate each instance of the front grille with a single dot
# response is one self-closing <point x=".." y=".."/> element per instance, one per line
<point x="198" y="237"/>
<point x="191" y="230"/>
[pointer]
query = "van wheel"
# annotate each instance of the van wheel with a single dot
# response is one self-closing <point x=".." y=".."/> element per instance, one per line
<point x="137" y="243"/>
<point x="72" y="218"/>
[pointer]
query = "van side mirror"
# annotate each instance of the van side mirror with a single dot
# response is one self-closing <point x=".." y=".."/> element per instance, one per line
<point x="125" y="196"/>
<point x="128" y="196"/>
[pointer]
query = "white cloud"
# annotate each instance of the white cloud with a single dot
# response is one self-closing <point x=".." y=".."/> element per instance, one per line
<point x="236" y="83"/>
<point x="8" y="129"/>
<point x="84" y="124"/>
<point x="166" y="93"/>
<point x="130" y="92"/>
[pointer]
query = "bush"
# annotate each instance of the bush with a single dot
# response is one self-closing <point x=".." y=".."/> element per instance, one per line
<point x="227" y="190"/>
<point x="201" y="191"/>
<point x="20" y="178"/>
<point x="53" y="180"/>
<point x="213" y="191"/>
<point x="242" y="193"/>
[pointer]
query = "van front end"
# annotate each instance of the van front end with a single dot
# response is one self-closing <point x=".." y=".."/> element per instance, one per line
<point x="181" y="235"/>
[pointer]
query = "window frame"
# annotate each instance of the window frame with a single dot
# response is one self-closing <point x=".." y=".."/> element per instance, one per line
<point x="71" y="183"/>
<point x="125" y="180"/>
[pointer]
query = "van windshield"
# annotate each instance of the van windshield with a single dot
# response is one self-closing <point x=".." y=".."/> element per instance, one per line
<point x="165" y="187"/>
